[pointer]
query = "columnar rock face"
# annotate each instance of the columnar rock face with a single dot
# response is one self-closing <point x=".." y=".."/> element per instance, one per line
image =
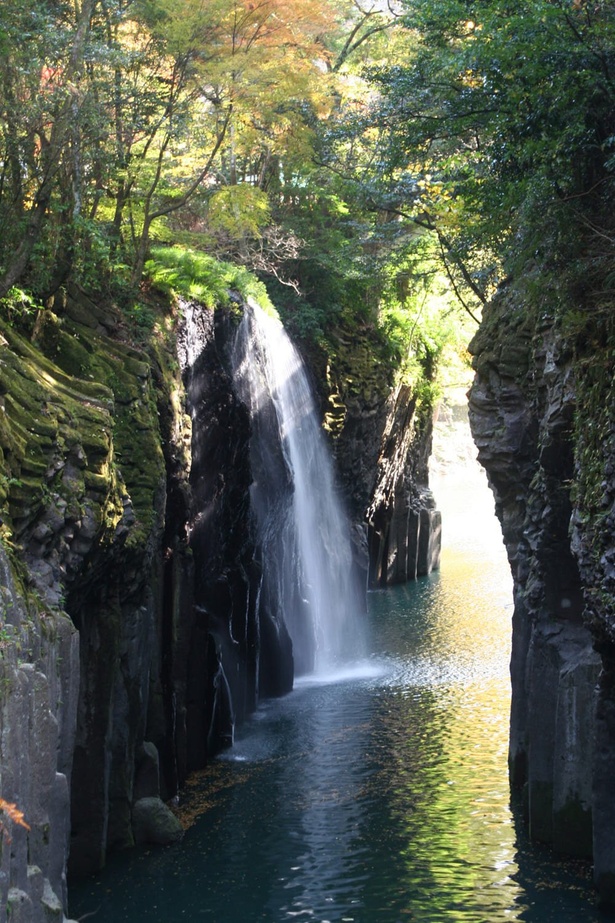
<point x="129" y="645"/>
<point x="84" y="525"/>
<point x="541" y="410"/>
<point x="226" y="572"/>
<point x="404" y="528"/>
<point x="381" y="436"/>
<point x="144" y="550"/>
<point x="39" y="686"/>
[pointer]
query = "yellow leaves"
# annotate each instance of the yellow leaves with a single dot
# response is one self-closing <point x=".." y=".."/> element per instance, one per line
<point x="433" y="191"/>
<point x="274" y="23"/>
<point x="268" y="39"/>
<point x="469" y="78"/>
<point x="260" y="56"/>
<point x="239" y="210"/>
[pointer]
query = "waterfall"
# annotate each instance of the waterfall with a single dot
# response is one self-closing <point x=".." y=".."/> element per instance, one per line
<point x="309" y="586"/>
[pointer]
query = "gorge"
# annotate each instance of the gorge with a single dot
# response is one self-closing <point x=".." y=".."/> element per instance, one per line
<point x="379" y="792"/>
<point x="175" y="637"/>
<point x="133" y="509"/>
<point x="409" y="183"/>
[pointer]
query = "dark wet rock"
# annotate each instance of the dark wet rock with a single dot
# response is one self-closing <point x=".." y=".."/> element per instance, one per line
<point x="404" y="528"/>
<point x="154" y="822"/>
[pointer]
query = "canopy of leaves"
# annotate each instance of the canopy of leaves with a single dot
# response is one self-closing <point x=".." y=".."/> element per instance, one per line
<point x="114" y="116"/>
<point x="346" y="151"/>
<point x="501" y="128"/>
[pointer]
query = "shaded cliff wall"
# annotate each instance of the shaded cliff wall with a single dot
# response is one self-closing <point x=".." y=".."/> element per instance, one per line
<point x="148" y="553"/>
<point x="129" y="641"/>
<point x="39" y="685"/>
<point x="381" y="431"/>
<point x="541" y="410"/>
<point x="404" y="527"/>
<point x="83" y="488"/>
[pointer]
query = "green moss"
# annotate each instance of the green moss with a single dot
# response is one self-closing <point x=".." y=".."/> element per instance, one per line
<point x="356" y="373"/>
<point x="77" y="393"/>
<point x="49" y="377"/>
<point x="594" y="426"/>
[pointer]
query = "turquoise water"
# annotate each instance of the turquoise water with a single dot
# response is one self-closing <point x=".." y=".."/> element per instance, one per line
<point x="377" y="796"/>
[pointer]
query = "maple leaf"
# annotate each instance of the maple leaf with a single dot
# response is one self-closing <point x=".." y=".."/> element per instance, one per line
<point x="13" y="813"/>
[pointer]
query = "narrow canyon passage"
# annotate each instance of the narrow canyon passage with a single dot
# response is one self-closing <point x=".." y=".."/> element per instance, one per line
<point x="378" y="794"/>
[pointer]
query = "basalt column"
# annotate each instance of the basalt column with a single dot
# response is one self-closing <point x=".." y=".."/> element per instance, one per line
<point x="222" y="641"/>
<point x="522" y="407"/>
<point x="404" y="527"/>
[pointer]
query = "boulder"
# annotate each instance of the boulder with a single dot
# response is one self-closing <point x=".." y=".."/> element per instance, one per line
<point x="154" y="822"/>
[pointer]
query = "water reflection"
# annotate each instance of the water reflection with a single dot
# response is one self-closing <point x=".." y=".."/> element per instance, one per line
<point x="376" y="796"/>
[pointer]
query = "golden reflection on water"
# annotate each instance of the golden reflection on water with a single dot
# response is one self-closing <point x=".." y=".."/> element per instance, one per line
<point x="446" y="729"/>
<point x="447" y="791"/>
<point x="378" y="799"/>
<point x="444" y="741"/>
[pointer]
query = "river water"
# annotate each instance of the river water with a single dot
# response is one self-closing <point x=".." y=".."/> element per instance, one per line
<point x="379" y="795"/>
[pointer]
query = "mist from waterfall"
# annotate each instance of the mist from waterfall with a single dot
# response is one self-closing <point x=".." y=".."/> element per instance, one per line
<point x="308" y="584"/>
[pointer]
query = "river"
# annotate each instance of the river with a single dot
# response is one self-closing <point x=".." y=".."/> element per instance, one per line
<point x="379" y="795"/>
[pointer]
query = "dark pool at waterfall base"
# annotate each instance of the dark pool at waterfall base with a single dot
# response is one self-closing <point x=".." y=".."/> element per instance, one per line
<point x="378" y="795"/>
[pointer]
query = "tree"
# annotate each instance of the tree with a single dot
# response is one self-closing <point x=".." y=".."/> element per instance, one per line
<point x="113" y="118"/>
<point x="337" y="202"/>
<point x="41" y="101"/>
<point x="251" y="68"/>
<point x="501" y="127"/>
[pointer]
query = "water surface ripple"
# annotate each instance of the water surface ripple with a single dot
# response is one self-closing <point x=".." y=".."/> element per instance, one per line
<point x="378" y="795"/>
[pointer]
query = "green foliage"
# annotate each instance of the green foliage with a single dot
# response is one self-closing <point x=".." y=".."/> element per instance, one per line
<point x="339" y="151"/>
<point x="113" y="116"/>
<point x="500" y="127"/>
<point x="19" y="306"/>
<point x="199" y="277"/>
<point x="239" y="211"/>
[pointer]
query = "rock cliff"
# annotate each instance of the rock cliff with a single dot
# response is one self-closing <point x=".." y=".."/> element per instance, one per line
<point x="83" y="510"/>
<point x="121" y="520"/>
<point x="39" y="677"/>
<point x="129" y="639"/>
<point x="541" y="410"/>
<point x="381" y="430"/>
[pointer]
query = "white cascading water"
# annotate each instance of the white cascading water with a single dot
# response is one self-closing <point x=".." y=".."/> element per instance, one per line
<point x="302" y="531"/>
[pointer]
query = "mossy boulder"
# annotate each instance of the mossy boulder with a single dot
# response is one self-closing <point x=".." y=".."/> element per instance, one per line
<point x="154" y="822"/>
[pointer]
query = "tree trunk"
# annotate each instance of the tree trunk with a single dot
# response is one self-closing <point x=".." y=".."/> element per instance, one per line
<point x="51" y="156"/>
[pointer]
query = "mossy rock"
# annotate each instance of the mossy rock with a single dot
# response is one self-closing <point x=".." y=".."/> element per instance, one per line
<point x="78" y="418"/>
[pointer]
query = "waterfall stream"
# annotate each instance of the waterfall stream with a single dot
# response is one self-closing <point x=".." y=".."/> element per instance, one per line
<point x="309" y="586"/>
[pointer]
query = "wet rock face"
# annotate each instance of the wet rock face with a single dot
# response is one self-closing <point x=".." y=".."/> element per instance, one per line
<point x="226" y="577"/>
<point x="527" y="414"/>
